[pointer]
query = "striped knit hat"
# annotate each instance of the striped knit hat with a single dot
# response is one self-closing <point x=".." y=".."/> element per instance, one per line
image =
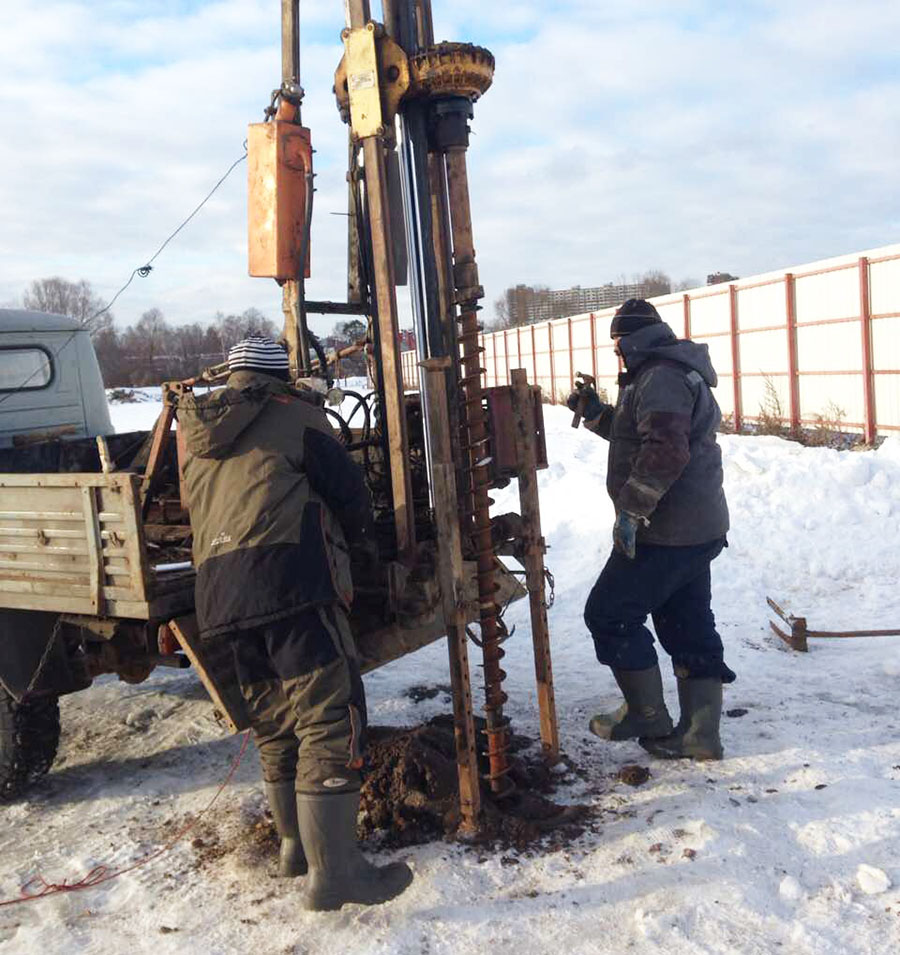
<point x="259" y="354"/>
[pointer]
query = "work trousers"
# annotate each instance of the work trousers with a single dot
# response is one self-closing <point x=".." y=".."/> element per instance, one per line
<point x="300" y="678"/>
<point x="672" y="584"/>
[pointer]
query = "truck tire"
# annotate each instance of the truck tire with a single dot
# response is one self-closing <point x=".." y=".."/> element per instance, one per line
<point x="29" y="737"/>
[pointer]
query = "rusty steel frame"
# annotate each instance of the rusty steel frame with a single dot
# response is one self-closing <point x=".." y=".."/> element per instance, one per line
<point x="450" y="575"/>
<point x="457" y="436"/>
<point x="800" y="632"/>
<point x="524" y="397"/>
<point x="384" y="277"/>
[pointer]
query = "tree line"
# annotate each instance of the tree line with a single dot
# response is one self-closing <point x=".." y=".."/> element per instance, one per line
<point x="154" y="350"/>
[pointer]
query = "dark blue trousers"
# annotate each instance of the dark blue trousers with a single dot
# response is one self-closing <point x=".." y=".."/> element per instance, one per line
<point x="671" y="584"/>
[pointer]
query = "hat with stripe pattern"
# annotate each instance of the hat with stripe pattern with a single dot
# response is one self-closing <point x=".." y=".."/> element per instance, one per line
<point x="260" y="354"/>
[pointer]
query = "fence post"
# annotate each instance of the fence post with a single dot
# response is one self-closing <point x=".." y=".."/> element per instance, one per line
<point x="686" y="306"/>
<point x="552" y="364"/>
<point x="506" y="352"/>
<point x="868" y="363"/>
<point x="494" y="350"/>
<point x="594" y="346"/>
<point x="519" y="344"/>
<point x="534" y="377"/>
<point x="790" y="308"/>
<point x="735" y="359"/>
<point x="571" y="358"/>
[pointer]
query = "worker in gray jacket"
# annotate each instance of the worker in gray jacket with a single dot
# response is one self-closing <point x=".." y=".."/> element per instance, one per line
<point x="665" y="480"/>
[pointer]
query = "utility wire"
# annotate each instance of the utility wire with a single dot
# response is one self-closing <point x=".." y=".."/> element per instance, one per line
<point x="143" y="271"/>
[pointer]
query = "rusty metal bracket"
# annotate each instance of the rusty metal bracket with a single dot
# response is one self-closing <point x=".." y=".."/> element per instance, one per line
<point x="797" y="639"/>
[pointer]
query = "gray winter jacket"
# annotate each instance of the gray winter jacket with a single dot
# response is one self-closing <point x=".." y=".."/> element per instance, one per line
<point x="664" y="462"/>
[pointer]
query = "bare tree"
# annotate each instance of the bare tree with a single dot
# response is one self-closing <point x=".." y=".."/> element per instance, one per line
<point x="683" y="284"/>
<point x="232" y="328"/>
<point x="74" y="299"/>
<point x="346" y="333"/>
<point x="655" y="282"/>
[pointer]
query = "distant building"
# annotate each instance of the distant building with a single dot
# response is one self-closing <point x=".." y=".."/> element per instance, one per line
<point x="407" y="337"/>
<point x="525" y="304"/>
<point x="718" y="277"/>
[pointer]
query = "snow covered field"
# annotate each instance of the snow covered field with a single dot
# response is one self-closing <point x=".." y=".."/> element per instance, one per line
<point x="791" y="844"/>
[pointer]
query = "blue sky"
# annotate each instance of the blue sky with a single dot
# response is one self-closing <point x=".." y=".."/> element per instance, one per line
<point x="684" y="136"/>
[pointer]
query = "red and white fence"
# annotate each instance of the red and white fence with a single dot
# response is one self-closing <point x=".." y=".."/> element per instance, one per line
<point x="826" y="336"/>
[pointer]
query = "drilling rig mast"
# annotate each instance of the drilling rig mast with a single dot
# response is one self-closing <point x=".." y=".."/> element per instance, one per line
<point x="430" y="457"/>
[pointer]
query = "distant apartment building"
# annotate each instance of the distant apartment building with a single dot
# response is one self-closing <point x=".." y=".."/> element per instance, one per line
<point x="525" y="304"/>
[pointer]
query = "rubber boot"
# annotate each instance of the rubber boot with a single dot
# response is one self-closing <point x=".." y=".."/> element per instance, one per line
<point x="282" y="798"/>
<point x="644" y="711"/>
<point x="697" y="733"/>
<point x="338" y="871"/>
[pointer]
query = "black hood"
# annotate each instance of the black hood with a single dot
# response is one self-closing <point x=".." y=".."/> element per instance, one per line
<point x="658" y="341"/>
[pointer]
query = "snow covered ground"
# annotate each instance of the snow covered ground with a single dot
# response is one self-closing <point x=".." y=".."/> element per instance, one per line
<point x="791" y="844"/>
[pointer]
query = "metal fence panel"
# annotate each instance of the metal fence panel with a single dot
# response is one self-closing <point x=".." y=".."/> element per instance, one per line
<point x="825" y="337"/>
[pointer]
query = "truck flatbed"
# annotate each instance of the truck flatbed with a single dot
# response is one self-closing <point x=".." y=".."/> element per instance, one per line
<point x="74" y="544"/>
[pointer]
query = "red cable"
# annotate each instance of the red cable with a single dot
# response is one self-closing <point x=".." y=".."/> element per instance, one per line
<point x="102" y="873"/>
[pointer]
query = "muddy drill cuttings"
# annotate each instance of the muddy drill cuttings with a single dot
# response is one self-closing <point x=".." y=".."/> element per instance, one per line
<point x="410" y="794"/>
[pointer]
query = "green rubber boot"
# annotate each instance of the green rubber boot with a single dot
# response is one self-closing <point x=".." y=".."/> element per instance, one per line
<point x="644" y="711"/>
<point x="697" y="733"/>
<point x="282" y="798"/>
<point x="338" y="871"/>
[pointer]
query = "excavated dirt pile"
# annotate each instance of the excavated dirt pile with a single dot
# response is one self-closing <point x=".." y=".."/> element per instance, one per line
<point x="410" y="794"/>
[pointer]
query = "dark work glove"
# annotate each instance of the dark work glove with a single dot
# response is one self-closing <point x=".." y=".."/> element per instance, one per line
<point x="625" y="533"/>
<point x="593" y="406"/>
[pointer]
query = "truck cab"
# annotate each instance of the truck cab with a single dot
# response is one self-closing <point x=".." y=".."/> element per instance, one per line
<point x="50" y="382"/>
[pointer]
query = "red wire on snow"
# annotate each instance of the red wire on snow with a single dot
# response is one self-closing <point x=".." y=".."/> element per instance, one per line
<point x="37" y="887"/>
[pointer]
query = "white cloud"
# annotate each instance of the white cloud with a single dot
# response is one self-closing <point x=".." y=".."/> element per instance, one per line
<point x="689" y="136"/>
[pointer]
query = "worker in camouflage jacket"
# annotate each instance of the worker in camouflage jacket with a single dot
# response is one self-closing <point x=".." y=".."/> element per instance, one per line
<point x="275" y="504"/>
<point x="665" y="479"/>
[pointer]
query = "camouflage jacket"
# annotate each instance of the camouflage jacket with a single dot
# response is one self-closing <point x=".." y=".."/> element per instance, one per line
<point x="664" y="462"/>
<point x="273" y="499"/>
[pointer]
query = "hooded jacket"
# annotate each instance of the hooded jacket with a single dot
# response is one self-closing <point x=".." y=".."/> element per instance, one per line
<point x="274" y="500"/>
<point x="664" y="462"/>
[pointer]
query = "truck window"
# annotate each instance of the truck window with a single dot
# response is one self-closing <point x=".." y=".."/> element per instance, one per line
<point x="25" y="368"/>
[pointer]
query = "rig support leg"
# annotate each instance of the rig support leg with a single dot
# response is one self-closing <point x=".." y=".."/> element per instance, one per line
<point x="450" y="575"/>
<point x="523" y="398"/>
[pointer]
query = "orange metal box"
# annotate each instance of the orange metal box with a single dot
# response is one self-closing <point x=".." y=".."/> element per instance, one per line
<point x="279" y="156"/>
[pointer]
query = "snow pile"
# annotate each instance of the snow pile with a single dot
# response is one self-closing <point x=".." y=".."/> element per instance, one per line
<point x="790" y="844"/>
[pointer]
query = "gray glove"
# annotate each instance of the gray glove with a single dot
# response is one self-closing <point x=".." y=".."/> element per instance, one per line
<point x="625" y="533"/>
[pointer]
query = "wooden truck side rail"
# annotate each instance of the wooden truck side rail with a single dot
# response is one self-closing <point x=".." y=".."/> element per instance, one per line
<point x="74" y="543"/>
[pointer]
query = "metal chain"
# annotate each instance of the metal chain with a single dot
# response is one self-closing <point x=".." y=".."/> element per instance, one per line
<point x="45" y="657"/>
<point x="270" y="111"/>
<point x="551" y="583"/>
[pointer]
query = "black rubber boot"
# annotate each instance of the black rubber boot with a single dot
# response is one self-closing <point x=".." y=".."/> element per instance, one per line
<point x="697" y="733"/>
<point x="644" y="711"/>
<point x="338" y="871"/>
<point x="282" y="798"/>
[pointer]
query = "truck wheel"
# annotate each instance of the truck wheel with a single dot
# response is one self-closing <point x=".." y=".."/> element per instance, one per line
<point x="29" y="737"/>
